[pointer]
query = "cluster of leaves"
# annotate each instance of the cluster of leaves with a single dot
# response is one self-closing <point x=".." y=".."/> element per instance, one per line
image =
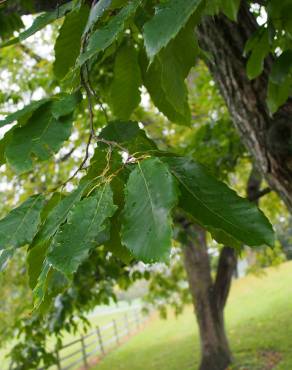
<point x="110" y="207"/>
<point x="272" y="38"/>
<point x="129" y="180"/>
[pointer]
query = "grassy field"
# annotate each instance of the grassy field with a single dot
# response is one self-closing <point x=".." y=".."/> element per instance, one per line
<point x="259" y="325"/>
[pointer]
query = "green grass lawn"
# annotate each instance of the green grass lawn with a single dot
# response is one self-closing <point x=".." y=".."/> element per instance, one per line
<point x="259" y="326"/>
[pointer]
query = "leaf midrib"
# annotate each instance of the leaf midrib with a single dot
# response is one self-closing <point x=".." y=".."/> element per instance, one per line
<point x="22" y="221"/>
<point x="209" y="209"/>
<point x="148" y="192"/>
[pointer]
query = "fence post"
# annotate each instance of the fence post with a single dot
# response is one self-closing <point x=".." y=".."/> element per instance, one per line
<point x="58" y="360"/>
<point x="116" y="331"/>
<point x="100" y="340"/>
<point x="83" y="351"/>
<point x="127" y="324"/>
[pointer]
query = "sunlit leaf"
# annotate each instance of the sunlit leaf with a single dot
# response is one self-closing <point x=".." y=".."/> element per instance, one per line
<point x="21" y="224"/>
<point x="150" y="196"/>
<point x="74" y="239"/>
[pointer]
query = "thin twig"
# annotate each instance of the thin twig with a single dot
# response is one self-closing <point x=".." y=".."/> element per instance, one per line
<point x="31" y="53"/>
<point x="259" y="194"/>
<point x="80" y="167"/>
<point x="66" y="156"/>
<point x="89" y="92"/>
<point x="89" y="103"/>
<point x="98" y="101"/>
<point x="263" y="192"/>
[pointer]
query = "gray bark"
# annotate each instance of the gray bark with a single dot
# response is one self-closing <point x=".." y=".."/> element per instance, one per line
<point x="209" y="298"/>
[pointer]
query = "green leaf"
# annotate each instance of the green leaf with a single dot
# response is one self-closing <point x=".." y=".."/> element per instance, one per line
<point x="287" y="20"/>
<point x="56" y="217"/>
<point x="40" y="22"/>
<point x="128" y="135"/>
<point x="281" y="68"/>
<point x="21" y="224"/>
<point x="260" y="45"/>
<point x="170" y="17"/>
<point x="68" y="43"/>
<point x="104" y="37"/>
<point x="65" y="104"/>
<point x="153" y="84"/>
<point x="34" y="261"/>
<point x="24" y="114"/>
<point x="41" y="286"/>
<point x="124" y="90"/>
<point x="5" y="256"/>
<point x="9" y="23"/>
<point x="165" y="78"/>
<point x="176" y="61"/>
<point x="103" y="163"/>
<point x="278" y="94"/>
<point x="59" y="213"/>
<point x="280" y="14"/>
<point x="151" y="194"/>
<point x="51" y="282"/>
<point x="42" y="136"/>
<point x="114" y="243"/>
<point x="96" y="12"/>
<point x="230" y="8"/>
<point x="216" y="207"/>
<point x="86" y="220"/>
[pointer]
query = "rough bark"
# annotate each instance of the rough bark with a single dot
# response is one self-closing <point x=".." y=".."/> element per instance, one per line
<point x="208" y="298"/>
<point x="265" y="136"/>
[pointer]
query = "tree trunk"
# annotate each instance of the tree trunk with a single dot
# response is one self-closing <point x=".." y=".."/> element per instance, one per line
<point x="208" y="300"/>
<point x="210" y="297"/>
<point x="265" y="136"/>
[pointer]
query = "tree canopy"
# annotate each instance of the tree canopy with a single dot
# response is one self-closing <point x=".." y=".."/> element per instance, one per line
<point x="122" y="46"/>
<point x="126" y="184"/>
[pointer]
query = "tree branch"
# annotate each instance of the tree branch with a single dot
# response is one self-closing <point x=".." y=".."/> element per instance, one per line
<point x="263" y="192"/>
<point x="66" y="156"/>
<point x="31" y="53"/>
<point x="226" y="267"/>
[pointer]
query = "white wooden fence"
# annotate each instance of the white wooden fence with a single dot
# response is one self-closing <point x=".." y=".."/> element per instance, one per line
<point x="99" y="341"/>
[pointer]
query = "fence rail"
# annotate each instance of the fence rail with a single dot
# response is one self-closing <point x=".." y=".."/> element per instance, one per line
<point x="98" y="342"/>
